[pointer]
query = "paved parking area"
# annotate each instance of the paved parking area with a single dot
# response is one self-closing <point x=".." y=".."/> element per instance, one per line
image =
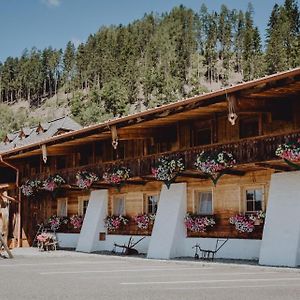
<point x="69" y="275"/>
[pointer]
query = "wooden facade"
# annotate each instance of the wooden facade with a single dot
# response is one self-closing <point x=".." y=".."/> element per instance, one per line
<point x="268" y="115"/>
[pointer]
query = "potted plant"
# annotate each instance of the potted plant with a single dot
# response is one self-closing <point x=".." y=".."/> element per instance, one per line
<point x="167" y="168"/>
<point x="116" y="175"/>
<point x="258" y="217"/>
<point x="143" y="221"/>
<point x="214" y="164"/>
<point x="198" y="223"/>
<point x="53" y="182"/>
<point x="30" y="187"/>
<point x="76" y="221"/>
<point x="85" y="179"/>
<point x="113" y="223"/>
<point x="290" y="153"/>
<point x="56" y="223"/>
<point x="242" y="223"/>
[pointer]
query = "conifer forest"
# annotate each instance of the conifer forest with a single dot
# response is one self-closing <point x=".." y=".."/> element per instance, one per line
<point x="152" y="61"/>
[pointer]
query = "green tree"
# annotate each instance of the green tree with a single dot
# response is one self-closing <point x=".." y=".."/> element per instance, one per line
<point x="115" y="97"/>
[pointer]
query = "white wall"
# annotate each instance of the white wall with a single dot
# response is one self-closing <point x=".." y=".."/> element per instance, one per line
<point x="233" y="249"/>
<point x="281" y="236"/>
<point x="67" y="240"/>
<point x="93" y="222"/>
<point x="108" y="244"/>
<point x="169" y="231"/>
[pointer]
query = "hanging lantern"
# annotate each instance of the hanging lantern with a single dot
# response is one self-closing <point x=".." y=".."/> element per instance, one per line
<point x="232" y="116"/>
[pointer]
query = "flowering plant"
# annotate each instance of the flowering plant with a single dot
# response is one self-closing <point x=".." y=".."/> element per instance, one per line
<point x="85" y="179"/>
<point x="144" y="220"/>
<point x="55" y="222"/>
<point x="116" y="175"/>
<point x="45" y="237"/>
<point x="214" y="164"/>
<point x="198" y="223"/>
<point x="258" y="216"/>
<point x="113" y="223"/>
<point x="242" y="223"/>
<point x="76" y="221"/>
<point x="290" y="152"/>
<point x="53" y="182"/>
<point x="168" y="168"/>
<point x="30" y="187"/>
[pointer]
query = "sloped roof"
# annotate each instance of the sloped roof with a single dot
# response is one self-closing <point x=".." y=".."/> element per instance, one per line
<point x="162" y="112"/>
<point x="32" y="135"/>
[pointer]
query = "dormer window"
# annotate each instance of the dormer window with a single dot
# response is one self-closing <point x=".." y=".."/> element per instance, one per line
<point x="22" y="135"/>
<point x="6" y="140"/>
<point x="40" y="129"/>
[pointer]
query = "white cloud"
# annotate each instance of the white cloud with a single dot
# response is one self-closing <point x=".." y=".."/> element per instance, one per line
<point x="52" y="3"/>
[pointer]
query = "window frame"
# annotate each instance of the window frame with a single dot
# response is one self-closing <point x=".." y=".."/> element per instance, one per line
<point x="113" y="203"/>
<point x="81" y="200"/>
<point x="254" y="187"/>
<point x="197" y="132"/>
<point x="249" y="119"/>
<point x="196" y="200"/>
<point x="146" y="203"/>
<point x="57" y="206"/>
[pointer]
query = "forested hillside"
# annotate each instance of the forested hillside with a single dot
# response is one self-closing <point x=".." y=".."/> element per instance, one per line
<point x="150" y="62"/>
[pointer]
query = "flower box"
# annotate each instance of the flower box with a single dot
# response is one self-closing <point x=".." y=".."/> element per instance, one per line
<point x="131" y="229"/>
<point x="167" y="169"/>
<point x="213" y="164"/>
<point x="85" y="179"/>
<point x="116" y="176"/>
<point x="199" y="223"/>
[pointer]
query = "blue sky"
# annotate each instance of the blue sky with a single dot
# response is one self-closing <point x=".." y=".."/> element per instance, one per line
<point x="42" y="23"/>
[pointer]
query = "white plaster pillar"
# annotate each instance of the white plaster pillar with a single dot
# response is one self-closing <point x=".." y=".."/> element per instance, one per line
<point x="93" y="221"/>
<point x="169" y="232"/>
<point x="281" y="237"/>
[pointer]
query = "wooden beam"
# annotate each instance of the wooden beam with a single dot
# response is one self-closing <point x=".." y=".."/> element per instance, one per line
<point x="136" y="182"/>
<point x="193" y="175"/>
<point x="274" y="167"/>
<point x="234" y="172"/>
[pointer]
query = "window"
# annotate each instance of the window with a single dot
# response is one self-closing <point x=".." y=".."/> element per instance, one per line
<point x="202" y="137"/>
<point x="166" y="138"/>
<point x="82" y="205"/>
<point x="204" y="203"/>
<point x="61" y="162"/>
<point x="62" y="207"/>
<point x="119" y="206"/>
<point x="281" y="110"/>
<point x="249" y="127"/>
<point x="119" y="153"/>
<point x="152" y="203"/>
<point x="35" y="166"/>
<point x="254" y="199"/>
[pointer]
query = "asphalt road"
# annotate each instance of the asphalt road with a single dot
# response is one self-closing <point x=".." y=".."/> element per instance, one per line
<point x="63" y="275"/>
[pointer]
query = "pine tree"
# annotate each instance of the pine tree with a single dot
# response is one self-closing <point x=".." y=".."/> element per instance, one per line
<point x="251" y="48"/>
<point x="69" y="64"/>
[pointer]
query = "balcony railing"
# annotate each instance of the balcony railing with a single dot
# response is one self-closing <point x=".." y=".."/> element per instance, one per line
<point x="245" y="151"/>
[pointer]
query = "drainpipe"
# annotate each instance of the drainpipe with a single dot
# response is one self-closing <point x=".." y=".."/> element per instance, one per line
<point x="19" y="199"/>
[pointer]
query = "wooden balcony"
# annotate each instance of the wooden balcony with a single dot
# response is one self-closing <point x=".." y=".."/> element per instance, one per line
<point x="255" y="153"/>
